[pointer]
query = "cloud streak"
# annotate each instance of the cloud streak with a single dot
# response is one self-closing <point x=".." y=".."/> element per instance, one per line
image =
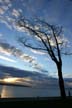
<point x="9" y="51"/>
<point x="7" y="59"/>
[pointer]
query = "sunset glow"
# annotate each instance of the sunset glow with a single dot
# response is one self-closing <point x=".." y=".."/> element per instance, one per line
<point x="35" y="48"/>
<point x="10" y="80"/>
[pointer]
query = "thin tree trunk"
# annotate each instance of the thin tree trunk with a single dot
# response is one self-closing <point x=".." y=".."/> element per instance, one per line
<point x="61" y="81"/>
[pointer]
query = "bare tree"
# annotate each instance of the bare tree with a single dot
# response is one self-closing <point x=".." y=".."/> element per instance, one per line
<point x="48" y="38"/>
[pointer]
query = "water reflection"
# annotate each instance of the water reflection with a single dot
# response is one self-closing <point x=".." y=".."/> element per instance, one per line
<point x="17" y="92"/>
<point x="6" y="92"/>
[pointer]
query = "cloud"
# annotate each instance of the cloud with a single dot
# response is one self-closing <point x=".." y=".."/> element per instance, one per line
<point x="14" y="75"/>
<point x="38" y="52"/>
<point x="27" y="58"/>
<point x="15" y="13"/>
<point x="1" y="35"/>
<point x="5" y="7"/>
<point x="5" y="4"/>
<point x="11" y="50"/>
<point x="5" y="21"/>
<point x="1" y="11"/>
<point x="28" y="81"/>
<point x="4" y="12"/>
<point x="2" y="50"/>
<point x="1" y="1"/>
<point x="7" y="59"/>
<point x="25" y="81"/>
<point x="38" y="66"/>
<point x="20" y="10"/>
<point x="10" y="20"/>
<point x="5" y="48"/>
<point x="7" y="1"/>
<point x="67" y="75"/>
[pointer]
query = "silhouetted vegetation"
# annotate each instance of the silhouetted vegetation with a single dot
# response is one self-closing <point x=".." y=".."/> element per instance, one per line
<point x="47" y="38"/>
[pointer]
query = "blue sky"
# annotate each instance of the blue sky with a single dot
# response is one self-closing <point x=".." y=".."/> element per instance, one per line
<point x="13" y="53"/>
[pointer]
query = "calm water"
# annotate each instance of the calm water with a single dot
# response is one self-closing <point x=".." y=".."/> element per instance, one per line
<point x="12" y="91"/>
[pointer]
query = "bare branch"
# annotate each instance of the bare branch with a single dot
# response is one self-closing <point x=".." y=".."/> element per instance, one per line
<point x="35" y="33"/>
<point x="51" y="53"/>
<point x="49" y="37"/>
<point x="51" y="32"/>
<point x="59" y="54"/>
<point x="29" y="46"/>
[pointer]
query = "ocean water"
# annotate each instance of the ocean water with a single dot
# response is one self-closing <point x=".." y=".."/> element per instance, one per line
<point x="15" y="92"/>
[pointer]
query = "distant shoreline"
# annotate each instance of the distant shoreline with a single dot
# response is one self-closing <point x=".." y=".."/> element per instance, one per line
<point x="10" y="84"/>
<point x="20" y="85"/>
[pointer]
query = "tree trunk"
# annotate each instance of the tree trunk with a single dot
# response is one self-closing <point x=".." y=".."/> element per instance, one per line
<point x="61" y="81"/>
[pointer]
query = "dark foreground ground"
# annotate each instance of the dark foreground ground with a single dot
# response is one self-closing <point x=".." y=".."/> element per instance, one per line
<point x="53" y="102"/>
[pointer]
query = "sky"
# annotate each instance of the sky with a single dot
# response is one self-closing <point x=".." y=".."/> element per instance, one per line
<point x="13" y="53"/>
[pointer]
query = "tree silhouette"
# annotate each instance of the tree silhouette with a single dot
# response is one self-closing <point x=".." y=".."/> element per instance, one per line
<point x="48" y="38"/>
